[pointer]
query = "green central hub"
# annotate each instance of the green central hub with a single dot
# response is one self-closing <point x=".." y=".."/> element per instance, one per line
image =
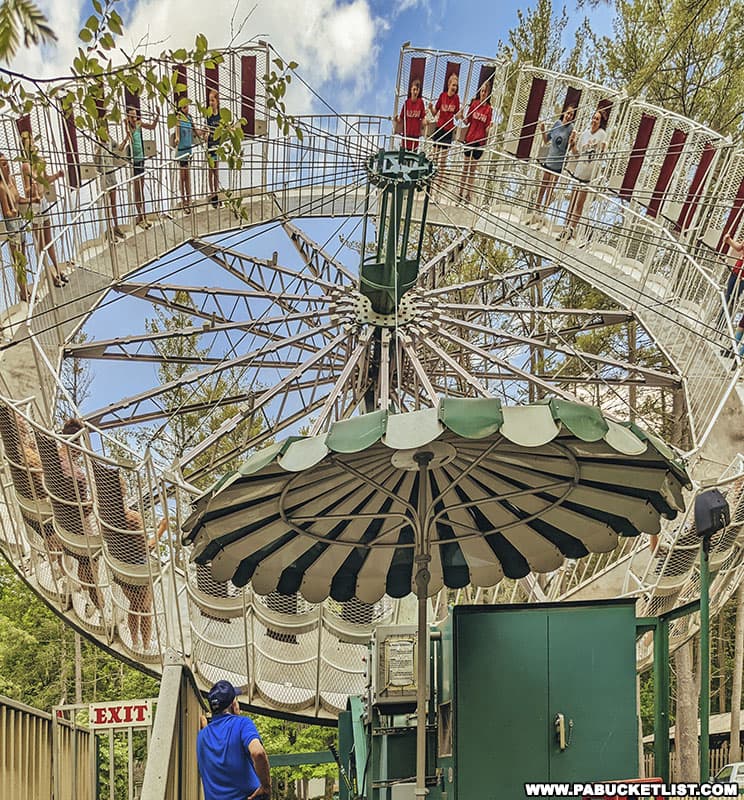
<point x="393" y="270"/>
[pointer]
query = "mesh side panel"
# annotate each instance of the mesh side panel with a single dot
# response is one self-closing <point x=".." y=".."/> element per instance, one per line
<point x="285" y="603"/>
<point x="66" y="484"/>
<point x="342" y="673"/>
<point x="129" y="544"/>
<point x="735" y="497"/>
<point x="356" y="612"/>
<point x="725" y="192"/>
<point x="218" y="663"/>
<point x="659" y="604"/>
<point x="695" y="140"/>
<point x="285" y="668"/>
<point x="90" y="594"/>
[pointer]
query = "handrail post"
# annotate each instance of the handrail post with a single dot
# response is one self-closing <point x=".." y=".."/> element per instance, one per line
<point x="164" y="731"/>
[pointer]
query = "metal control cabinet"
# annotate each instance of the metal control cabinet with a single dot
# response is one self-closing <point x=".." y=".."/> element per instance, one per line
<point x="515" y="669"/>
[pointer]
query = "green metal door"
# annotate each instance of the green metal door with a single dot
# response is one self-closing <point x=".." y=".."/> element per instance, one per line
<point x="591" y="682"/>
<point x="516" y="667"/>
<point x="501" y="703"/>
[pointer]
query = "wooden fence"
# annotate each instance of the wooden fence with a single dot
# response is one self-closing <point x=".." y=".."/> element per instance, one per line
<point x="719" y="757"/>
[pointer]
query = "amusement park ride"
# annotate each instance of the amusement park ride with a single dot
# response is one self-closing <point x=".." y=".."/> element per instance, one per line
<point x="429" y="337"/>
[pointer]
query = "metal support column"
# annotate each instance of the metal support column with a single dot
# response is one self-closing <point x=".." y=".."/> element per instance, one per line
<point x="661" y="700"/>
<point x="165" y="728"/>
<point x="704" y="659"/>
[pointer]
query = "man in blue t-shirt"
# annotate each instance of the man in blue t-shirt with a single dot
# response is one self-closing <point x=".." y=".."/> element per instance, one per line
<point x="232" y="761"/>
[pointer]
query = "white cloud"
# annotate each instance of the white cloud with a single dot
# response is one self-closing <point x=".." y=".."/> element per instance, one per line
<point x="63" y="16"/>
<point x="332" y="40"/>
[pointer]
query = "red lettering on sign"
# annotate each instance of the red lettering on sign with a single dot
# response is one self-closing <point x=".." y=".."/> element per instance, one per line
<point x="115" y="715"/>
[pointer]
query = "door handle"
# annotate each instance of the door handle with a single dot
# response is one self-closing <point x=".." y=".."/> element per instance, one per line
<point x="563" y="738"/>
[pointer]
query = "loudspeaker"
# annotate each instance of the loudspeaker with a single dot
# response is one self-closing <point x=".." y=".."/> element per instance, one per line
<point x="711" y="513"/>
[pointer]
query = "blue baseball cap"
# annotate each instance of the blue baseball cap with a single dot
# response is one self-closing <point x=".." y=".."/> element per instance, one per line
<point x="221" y="696"/>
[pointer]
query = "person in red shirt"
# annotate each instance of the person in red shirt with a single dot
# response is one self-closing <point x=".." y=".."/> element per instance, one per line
<point x="411" y="116"/>
<point x="478" y="119"/>
<point x="445" y="110"/>
<point x="735" y="284"/>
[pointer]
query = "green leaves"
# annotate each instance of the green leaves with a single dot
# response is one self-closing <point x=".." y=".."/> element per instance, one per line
<point x="685" y="57"/>
<point x="22" y="18"/>
<point x="276" y="88"/>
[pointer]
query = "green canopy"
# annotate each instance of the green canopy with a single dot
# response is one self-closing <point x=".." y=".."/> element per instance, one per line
<point x="512" y="490"/>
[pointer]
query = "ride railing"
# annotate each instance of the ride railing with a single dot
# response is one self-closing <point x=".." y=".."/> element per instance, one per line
<point x="274" y="175"/>
<point x="98" y="536"/>
<point x="333" y="149"/>
<point x="638" y="261"/>
<point x="667" y="572"/>
<point x="680" y="301"/>
<point x="90" y="528"/>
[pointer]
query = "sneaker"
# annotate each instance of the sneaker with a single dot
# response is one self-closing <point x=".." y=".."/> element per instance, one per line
<point x="119" y="232"/>
<point x="214" y="201"/>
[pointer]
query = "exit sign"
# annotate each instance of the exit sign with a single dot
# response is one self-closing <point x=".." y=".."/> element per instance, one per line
<point x="121" y="714"/>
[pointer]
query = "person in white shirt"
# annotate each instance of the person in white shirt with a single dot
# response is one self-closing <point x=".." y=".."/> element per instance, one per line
<point x="586" y="150"/>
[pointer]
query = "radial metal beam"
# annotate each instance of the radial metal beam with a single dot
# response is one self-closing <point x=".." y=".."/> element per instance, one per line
<point x="261" y="274"/>
<point x="418" y="368"/>
<point x="435" y="270"/>
<point x="504" y="287"/>
<point x="490" y="357"/>
<point x="659" y="378"/>
<point x="134" y="401"/>
<point x="185" y="408"/>
<point x="558" y="378"/>
<point x="119" y="348"/>
<point x="343" y="379"/>
<point x="317" y="259"/>
<point x="593" y="319"/>
<point x="230" y="424"/>
<point x="269" y="430"/>
<point x="458" y="369"/>
<point x="159" y="294"/>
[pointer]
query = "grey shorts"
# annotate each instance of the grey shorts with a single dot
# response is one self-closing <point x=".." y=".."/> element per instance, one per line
<point x="109" y="180"/>
<point x="14" y="227"/>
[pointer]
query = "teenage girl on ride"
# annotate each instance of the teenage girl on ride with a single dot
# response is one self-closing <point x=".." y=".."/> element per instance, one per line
<point x="411" y="116"/>
<point x="587" y="148"/>
<point x="446" y="109"/>
<point x="478" y="119"/>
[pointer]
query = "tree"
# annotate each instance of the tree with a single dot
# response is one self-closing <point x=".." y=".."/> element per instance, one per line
<point x="737" y="675"/>
<point x="538" y="39"/>
<point x="32" y="643"/>
<point x="685" y="57"/>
